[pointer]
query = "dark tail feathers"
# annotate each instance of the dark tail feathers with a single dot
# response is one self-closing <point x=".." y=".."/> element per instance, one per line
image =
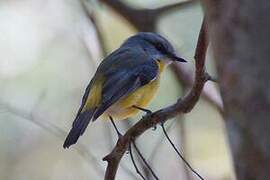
<point x="78" y="127"/>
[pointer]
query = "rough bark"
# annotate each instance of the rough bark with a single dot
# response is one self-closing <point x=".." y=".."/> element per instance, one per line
<point x="240" y="36"/>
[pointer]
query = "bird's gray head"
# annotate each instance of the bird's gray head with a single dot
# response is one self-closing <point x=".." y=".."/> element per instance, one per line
<point x="155" y="45"/>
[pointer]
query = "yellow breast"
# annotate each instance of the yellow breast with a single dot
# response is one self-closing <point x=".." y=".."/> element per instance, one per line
<point x="123" y="109"/>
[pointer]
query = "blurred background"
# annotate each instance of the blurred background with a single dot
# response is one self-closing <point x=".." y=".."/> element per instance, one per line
<point x="49" y="52"/>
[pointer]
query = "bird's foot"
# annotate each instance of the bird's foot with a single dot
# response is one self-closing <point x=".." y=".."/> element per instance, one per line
<point x="147" y="111"/>
<point x="154" y="128"/>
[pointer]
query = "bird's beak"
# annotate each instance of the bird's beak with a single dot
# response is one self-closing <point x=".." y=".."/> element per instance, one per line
<point x="174" y="57"/>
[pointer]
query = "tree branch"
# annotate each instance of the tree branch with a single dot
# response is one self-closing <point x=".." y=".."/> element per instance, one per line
<point x="184" y="105"/>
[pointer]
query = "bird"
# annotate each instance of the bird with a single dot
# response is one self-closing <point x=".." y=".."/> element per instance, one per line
<point x="124" y="82"/>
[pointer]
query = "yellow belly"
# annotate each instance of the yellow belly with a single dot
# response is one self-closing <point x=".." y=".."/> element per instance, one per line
<point x="123" y="109"/>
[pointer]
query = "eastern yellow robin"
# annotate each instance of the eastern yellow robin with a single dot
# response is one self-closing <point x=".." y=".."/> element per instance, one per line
<point x="125" y="79"/>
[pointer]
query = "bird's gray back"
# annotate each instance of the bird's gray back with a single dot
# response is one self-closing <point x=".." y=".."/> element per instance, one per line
<point x="123" y="59"/>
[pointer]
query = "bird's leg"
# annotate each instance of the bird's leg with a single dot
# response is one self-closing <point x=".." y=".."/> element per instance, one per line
<point x="114" y="125"/>
<point x="147" y="111"/>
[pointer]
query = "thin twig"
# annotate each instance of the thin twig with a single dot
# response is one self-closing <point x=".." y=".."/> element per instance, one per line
<point x="134" y="163"/>
<point x="180" y="122"/>
<point x="159" y="143"/>
<point x="144" y="161"/>
<point x="179" y="154"/>
<point x="130" y="149"/>
<point x="145" y="170"/>
<point x="183" y="142"/>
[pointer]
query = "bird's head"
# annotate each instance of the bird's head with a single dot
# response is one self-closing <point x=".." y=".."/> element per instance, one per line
<point x="154" y="45"/>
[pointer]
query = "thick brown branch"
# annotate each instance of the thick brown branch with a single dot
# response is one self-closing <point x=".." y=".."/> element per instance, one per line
<point x="184" y="105"/>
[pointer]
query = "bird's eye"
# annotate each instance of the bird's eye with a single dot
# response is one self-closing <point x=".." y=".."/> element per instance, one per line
<point x="159" y="47"/>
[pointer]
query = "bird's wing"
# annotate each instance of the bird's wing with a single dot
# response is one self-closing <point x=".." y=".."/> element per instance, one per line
<point x="124" y="81"/>
<point x="81" y="121"/>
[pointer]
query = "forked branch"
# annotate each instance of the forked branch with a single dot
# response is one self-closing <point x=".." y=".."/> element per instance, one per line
<point x="183" y="105"/>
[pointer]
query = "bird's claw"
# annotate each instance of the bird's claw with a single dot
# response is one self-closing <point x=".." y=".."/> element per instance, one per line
<point x="147" y="111"/>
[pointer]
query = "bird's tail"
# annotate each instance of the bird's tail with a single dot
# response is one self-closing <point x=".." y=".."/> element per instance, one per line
<point x="78" y="127"/>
